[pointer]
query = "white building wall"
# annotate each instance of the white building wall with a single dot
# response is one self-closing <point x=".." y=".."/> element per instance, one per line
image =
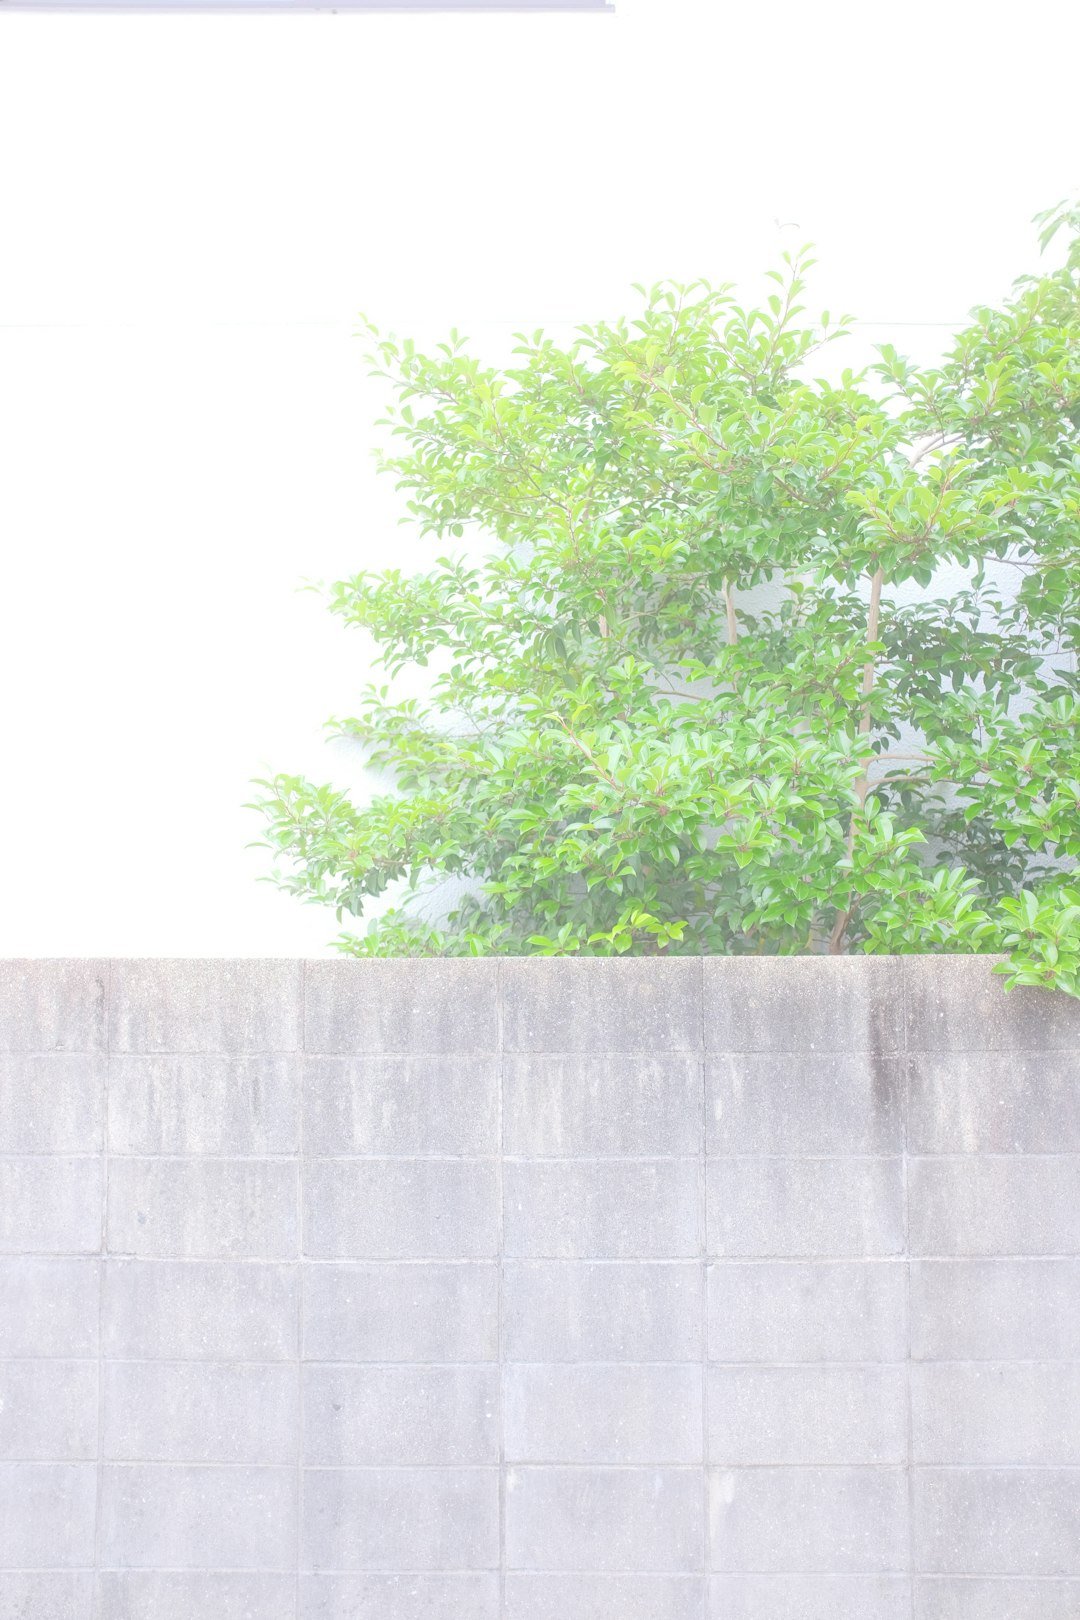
<point x="193" y="211"/>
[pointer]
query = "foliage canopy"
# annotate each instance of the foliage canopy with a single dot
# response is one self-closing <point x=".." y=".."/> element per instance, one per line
<point x="744" y="671"/>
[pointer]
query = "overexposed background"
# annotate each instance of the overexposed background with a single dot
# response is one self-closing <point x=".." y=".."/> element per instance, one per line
<point x="193" y="210"/>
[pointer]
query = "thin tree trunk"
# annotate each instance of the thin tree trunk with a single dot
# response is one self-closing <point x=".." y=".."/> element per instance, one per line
<point x="729" y="603"/>
<point x="862" y="785"/>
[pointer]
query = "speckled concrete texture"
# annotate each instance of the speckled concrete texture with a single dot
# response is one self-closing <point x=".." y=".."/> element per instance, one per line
<point x="735" y="1289"/>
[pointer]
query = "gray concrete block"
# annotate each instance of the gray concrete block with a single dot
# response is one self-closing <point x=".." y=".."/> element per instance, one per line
<point x="391" y="1416"/>
<point x="136" y="1594"/>
<point x="208" y="1005"/>
<point x="982" y="1206"/>
<point x="201" y="1412"/>
<point x="51" y="1594"/>
<point x="608" y="1414"/>
<point x="400" y="1597"/>
<point x="204" y="1104"/>
<point x="157" y="1516"/>
<point x="48" y="1411"/>
<point x="49" y="1307"/>
<point x="827" y="1521"/>
<point x="199" y="1310"/>
<point x="579" y="1310"/>
<point x="597" y="1311"/>
<point x="601" y="1004"/>
<point x="993" y="1412"/>
<point x="401" y="1005"/>
<point x="52" y="1005"/>
<point x="941" y="1597"/>
<point x="802" y="1207"/>
<point x="807" y="1310"/>
<point x="987" y="1310"/>
<point x="807" y="1415"/>
<point x="997" y="1521"/>
<point x="832" y="1102"/>
<point x="384" y="1518"/>
<point x="400" y="1209"/>
<point x="618" y="1519"/>
<point x="595" y="1104"/>
<point x="203" y="1209"/>
<point x="531" y="1595"/>
<point x="47" y="1514"/>
<point x="809" y="1597"/>
<point x="51" y="1102"/>
<point x="956" y="1004"/>
<point x="50" y="1206"/>
<point x="807" y="1004"/>
<point x="993" y="1102"/>
<point x="562" y="1210"/>
<point x="401" y="1105"/>
<point x="407" y="1312"/>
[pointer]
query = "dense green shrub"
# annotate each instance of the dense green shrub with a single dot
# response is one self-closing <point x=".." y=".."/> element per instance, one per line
<point x="708" y="693"/>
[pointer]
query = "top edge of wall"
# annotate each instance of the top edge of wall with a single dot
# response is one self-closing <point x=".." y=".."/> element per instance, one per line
<point x="814" y="1005"/>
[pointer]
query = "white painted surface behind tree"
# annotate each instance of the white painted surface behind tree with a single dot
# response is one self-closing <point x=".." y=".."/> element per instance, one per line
<point x="195" y="210"/>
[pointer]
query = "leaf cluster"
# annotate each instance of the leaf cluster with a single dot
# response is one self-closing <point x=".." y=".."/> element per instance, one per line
<point x="755" y="660"/>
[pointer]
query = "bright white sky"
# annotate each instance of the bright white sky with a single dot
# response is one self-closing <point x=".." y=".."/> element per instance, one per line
<point x="193" y="210"/>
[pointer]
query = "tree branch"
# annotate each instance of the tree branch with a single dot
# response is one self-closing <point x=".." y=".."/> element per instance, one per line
<point x="836" y="939"/>
<point x="729" y="604"/>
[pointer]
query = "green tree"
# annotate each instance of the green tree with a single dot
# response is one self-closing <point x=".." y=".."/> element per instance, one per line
<point x="705" y="693"/>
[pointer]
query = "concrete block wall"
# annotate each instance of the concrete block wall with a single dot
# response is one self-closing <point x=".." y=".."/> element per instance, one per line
<point x="538" y="1290"/>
